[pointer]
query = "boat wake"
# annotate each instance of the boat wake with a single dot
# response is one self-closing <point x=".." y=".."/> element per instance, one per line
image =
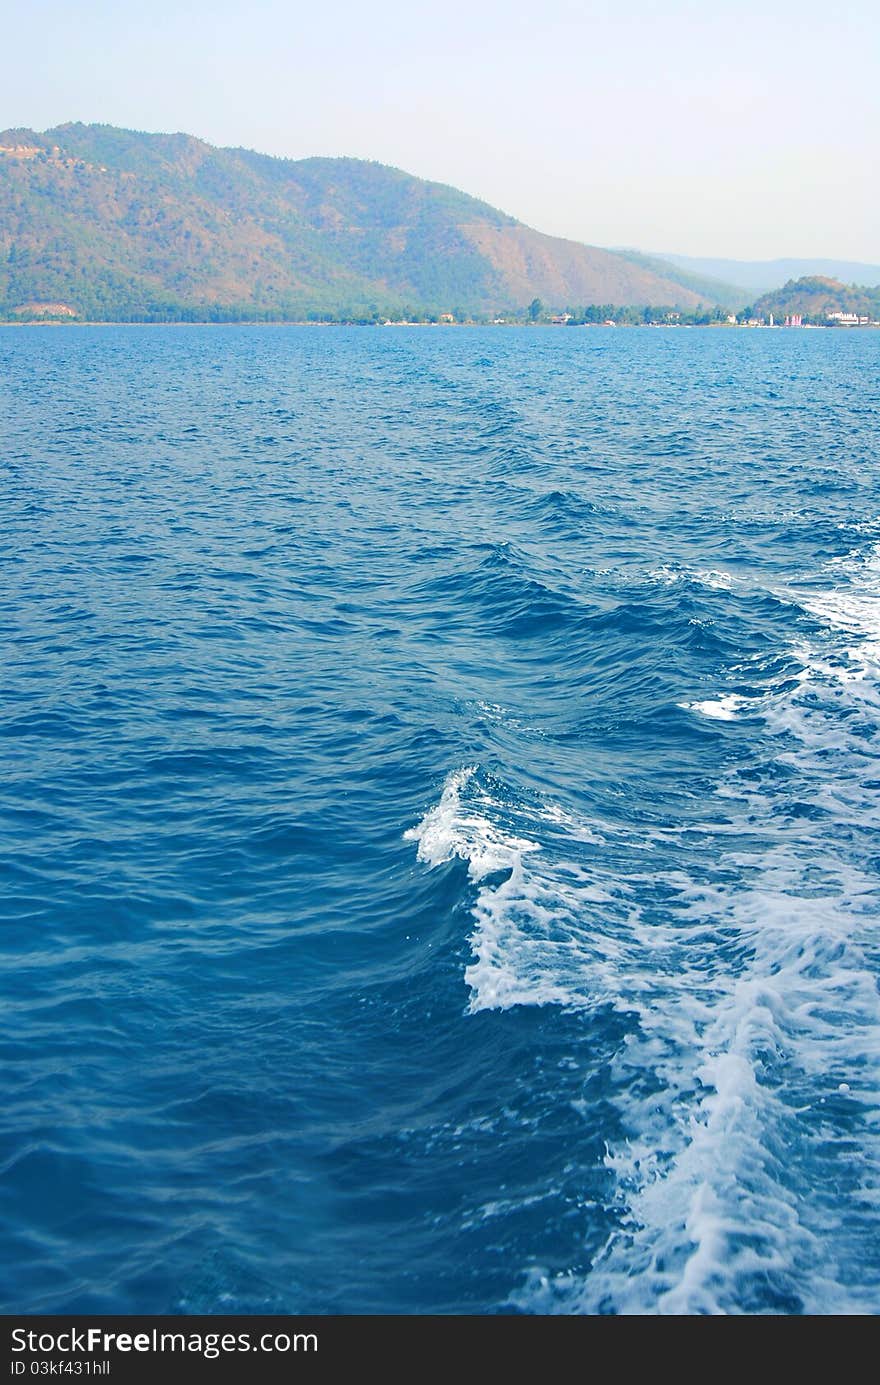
<point x="749" y="1178"/>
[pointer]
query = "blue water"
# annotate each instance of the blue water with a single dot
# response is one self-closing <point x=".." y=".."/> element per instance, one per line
<point x="439" y="820"/>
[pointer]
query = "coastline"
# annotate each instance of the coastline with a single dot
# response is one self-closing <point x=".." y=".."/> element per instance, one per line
<point x="445" y="326"/>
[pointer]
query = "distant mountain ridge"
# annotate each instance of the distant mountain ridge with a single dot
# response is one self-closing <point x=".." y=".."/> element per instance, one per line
<point x="753" y="277"/>
<point x="108" y="223"/>
<point x="709" y="288"/>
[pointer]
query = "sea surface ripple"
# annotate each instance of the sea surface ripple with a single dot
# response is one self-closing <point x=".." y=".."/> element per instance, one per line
<point x="439" y="821"/>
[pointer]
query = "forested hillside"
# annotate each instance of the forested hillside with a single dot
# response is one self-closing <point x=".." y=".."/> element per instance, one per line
<point x="101" y="223"/>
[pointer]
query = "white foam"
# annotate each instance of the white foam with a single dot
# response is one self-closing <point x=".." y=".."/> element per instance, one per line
<point x="451" y="830"/>
<point x="576" y="829"/>
<point x="725" y="708"/>
<point x="707" y="1197"/>
<point x="714" y="578"/>
<point x="528" y="943"/>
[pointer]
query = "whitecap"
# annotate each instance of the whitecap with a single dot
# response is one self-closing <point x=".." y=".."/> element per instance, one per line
<point x="725" y="708"/>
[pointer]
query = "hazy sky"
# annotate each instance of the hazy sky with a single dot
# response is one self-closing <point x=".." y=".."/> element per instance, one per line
<point x="747" y="128"/>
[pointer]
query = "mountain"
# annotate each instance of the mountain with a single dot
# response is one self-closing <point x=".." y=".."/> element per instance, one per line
<point x="104" y="223"/>
<point x="815" y="297"/>
<point x="762" y="276"/>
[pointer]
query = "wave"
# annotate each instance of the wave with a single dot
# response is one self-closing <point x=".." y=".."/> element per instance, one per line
<point x="529" y="945"/>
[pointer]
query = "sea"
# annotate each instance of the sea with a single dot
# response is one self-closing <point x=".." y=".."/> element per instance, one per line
<point x="439" y="807"/>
